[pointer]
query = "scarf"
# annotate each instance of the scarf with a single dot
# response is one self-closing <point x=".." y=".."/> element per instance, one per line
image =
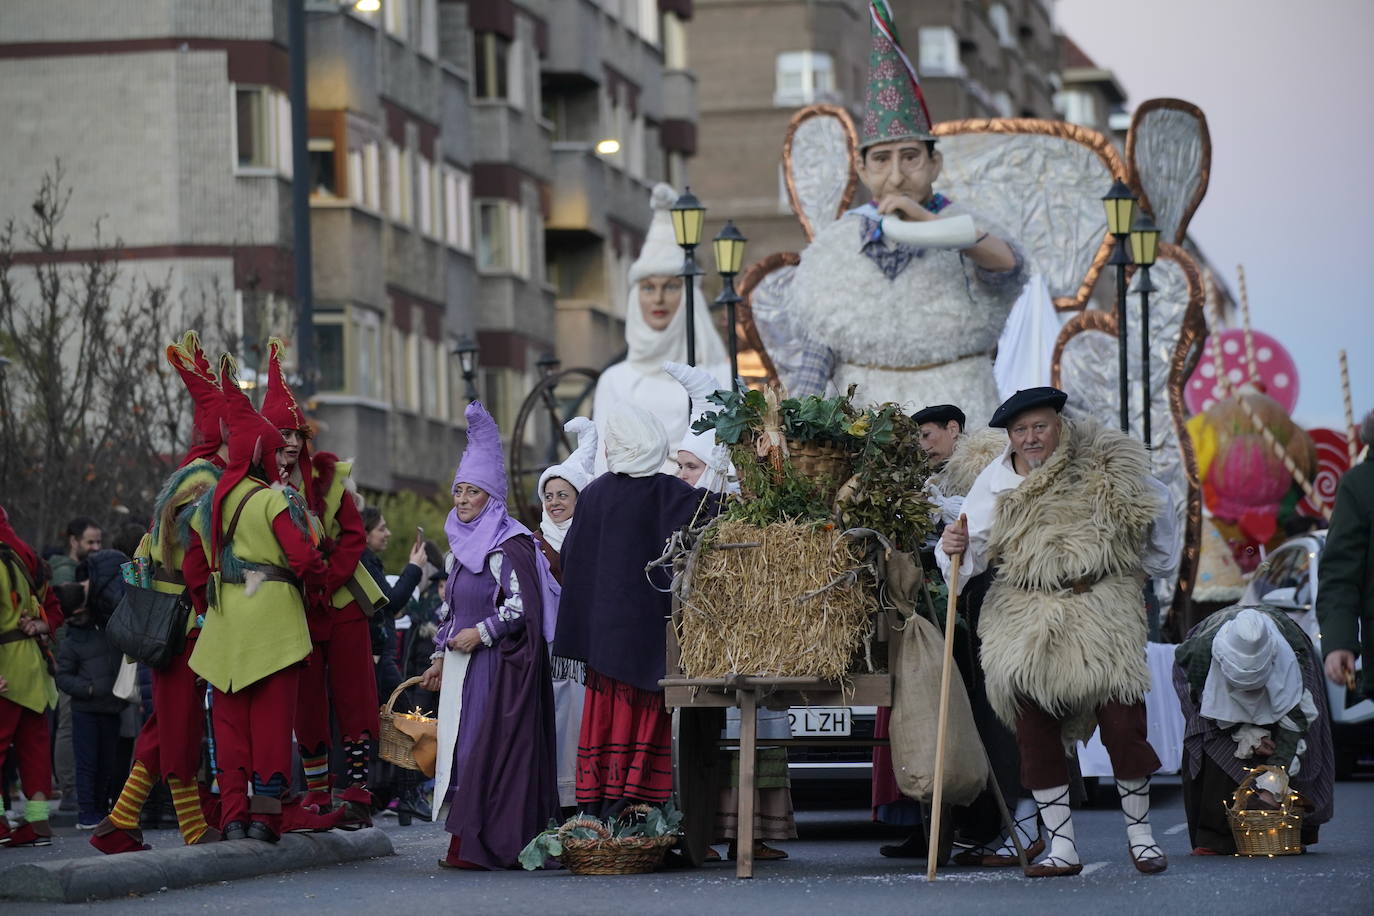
<point x="471" y="542"/>
<point x="554" y="532"/>
<point x="1254" y="676"/>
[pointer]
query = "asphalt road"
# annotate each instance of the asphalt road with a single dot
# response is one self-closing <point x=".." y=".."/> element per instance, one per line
<point x="834" y="869"/>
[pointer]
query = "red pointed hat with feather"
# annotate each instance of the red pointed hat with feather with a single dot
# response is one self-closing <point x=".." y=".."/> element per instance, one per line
<point x="280" y="408"/>
<point x="253" y="440"/>
<point x="188" y="359"/>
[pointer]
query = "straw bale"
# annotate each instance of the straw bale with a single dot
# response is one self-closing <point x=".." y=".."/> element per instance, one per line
<point x="776" y="609"/>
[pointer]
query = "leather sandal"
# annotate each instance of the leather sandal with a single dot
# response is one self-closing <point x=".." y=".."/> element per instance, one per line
<point x="1149" y="865"/>
<point x="1053" y="868"/>
<point x="997" y="860"/>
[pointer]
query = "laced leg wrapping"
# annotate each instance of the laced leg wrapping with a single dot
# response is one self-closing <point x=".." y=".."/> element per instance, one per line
<point x="1135" y="806"/>
<point x="1027" y="813"/>
<point x="1058" y="823"/>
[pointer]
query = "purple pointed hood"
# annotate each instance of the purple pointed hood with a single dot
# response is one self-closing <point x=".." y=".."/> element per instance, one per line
<point x="482" y="465"/>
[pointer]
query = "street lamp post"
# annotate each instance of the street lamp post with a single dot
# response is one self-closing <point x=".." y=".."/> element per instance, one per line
<point x="467" y="351"/>
<point x="688" y="216"/>
<point x="729" y="248"/>
<point x="1120" y="206"/>
<point x="1144" y="251"/>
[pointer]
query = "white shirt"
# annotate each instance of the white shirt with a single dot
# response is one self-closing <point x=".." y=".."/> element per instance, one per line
<point x="1163" y="543"/>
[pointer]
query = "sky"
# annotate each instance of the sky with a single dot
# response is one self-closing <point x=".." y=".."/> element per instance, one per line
<point x="1288" y="91"/>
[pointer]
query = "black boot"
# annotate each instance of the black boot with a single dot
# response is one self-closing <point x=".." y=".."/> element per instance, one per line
<point x="913" y="847"/>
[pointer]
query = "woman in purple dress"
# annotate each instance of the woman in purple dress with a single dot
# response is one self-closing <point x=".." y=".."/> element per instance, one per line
<point x="496" y="767"/>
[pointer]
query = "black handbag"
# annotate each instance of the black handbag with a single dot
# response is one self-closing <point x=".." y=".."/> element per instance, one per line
<point x="149" y="626"/>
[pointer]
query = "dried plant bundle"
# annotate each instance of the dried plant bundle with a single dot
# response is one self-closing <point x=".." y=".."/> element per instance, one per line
<point x="796" y="605"/>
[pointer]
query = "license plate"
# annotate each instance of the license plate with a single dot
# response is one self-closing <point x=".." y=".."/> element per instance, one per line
<point x="829" y="721"/>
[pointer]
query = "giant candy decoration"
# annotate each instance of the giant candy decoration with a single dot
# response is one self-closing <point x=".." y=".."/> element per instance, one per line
<point x="1277" y="374"/>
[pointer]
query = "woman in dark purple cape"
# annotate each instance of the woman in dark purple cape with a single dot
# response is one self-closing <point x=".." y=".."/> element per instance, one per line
<point x="496" y="764"/>
<point x="612" y="616"/>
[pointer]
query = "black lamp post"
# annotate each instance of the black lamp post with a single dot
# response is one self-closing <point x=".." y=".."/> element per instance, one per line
<point x="1144" y="251"/>
<point x="1120" y="206"/>
<point x="466" y="351"/>
<point x="688" y="217"/>
<point x="729" y="247"/>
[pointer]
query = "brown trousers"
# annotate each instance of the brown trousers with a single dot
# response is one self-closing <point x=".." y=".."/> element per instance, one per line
<point x="1124" y="733"/>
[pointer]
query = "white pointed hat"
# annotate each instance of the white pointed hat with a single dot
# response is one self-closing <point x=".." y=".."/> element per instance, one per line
<point x="577" y="469"/>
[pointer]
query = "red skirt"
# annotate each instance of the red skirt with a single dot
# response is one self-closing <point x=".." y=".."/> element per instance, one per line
<point x="625" y="750"/>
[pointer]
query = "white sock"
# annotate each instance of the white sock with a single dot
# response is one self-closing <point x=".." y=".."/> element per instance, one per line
<point x="1135" y="806"/>
<point x="1058" y="821"/>
<point x="1027" y="826"/>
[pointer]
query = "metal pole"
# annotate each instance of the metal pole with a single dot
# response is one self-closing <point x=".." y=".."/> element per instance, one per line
<point x="689" y="273"/>
<point x="1121" y="260"/>
<point x="1146" y="395"/>
<point x="730" y="299"/>
<point x="300" y="199"/>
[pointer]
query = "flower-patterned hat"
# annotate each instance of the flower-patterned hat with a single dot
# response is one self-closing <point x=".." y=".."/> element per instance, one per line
<point x="896" y="108"/>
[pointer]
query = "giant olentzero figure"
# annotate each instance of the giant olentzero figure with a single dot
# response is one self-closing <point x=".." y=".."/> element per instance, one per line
<point x="907" y="295"/>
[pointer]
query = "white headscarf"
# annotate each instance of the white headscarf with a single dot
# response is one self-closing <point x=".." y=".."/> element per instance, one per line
<point x="661" y="256"/>
<point x="577" y="471"/>
<point x="708" y="450"/>
<point x="1254" y="678"/>
<point x="636" y="443"/>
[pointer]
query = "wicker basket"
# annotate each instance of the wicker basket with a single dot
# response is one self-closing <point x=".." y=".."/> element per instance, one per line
<point x="394" y="746"/>
<point x="818" y="461"/>
<point x="608" y="855"/>
<point x="1264" y="832"/>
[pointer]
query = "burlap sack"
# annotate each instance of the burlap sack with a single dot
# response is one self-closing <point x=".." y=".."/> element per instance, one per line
<point x="919" y="653"/>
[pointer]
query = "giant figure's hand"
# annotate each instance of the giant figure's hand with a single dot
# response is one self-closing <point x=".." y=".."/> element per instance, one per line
<point x="905" y="207"/>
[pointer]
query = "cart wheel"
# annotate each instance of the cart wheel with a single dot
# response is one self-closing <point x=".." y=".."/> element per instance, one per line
<point x="696" y="773"/>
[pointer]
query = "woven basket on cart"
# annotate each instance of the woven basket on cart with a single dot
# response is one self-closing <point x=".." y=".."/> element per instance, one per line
<point x="820" y="461"/>
<point x="605" y="854"/>
<point x="396" y="746"/>
<point x="1264" y="832"/>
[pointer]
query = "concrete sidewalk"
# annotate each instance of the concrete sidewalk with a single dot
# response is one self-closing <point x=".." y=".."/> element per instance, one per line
<point x="37" y="875"/>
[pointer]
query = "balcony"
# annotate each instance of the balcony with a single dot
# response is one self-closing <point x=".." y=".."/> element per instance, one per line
<point x="680" y="95"/>
<point x="588" y="192"/>
<point x="574" y="39"/>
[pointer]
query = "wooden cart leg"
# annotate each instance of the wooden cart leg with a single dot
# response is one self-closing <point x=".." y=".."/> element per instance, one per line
<point x="748" y="735"/>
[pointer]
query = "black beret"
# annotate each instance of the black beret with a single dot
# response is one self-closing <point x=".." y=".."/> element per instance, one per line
<point x="1027" y="399"/>
<point x="940" y="413"/>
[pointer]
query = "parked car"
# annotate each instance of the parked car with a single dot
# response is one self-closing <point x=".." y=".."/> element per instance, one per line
<point x="1287" y="579"/>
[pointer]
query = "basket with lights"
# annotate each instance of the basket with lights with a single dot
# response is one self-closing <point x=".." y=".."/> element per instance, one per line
<point x="1266" y="831"/>
<point x="402" y="733"/>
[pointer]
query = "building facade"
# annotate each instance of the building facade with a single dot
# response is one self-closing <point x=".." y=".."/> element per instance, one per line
<point x="477" y="168"/>
<point x="758" y="62"/>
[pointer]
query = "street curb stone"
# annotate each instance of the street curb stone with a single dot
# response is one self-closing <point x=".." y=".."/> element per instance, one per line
<point x="105" y="877"/>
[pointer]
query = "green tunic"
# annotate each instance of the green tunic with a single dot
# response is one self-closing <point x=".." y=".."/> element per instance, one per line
<point x="333" y="498"/>
<point x="248" y="637"/>
<point x="22" y="663"/>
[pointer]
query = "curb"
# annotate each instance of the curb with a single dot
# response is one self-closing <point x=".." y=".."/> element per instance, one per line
<point x="105" y="877"/>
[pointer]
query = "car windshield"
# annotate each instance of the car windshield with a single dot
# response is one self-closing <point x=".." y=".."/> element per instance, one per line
<point x="1289" y="567"/>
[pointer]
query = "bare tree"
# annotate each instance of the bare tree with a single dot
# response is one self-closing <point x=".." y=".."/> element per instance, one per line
<point x="91" y="418"/>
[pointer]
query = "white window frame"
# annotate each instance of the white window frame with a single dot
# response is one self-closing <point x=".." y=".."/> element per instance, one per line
<point x="400" y="195"/>
<point x="274" y="121"/>
<point x="500" y="229"/>
<point x="368" y="325"/>
<point x="457" y="209"/>
<point x="938" y="53"/>
<point x="1000" y="19"/>
<point x="427" y="39"/>
<point x="396" y="18"/>
<point x="337" y="320"/>
<point x="815" y="76"/>
<point x="426" y="220"/>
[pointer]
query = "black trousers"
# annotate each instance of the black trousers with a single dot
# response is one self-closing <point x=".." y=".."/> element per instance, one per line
<point x="95" y="743"/>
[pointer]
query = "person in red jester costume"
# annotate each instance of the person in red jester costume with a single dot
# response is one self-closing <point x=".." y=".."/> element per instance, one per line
<point x="169" y="744"/>
<point x="258" y="563"/>
<point x="340" y="665"/>
<point x="28" y="613"/>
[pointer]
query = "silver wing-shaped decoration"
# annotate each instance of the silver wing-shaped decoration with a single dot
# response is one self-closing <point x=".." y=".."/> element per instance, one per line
<point x="1170" y="151"/>
<point x="1041" y="182"/>
<point x="819" y="157"/>
<point x="1085" y="364"/>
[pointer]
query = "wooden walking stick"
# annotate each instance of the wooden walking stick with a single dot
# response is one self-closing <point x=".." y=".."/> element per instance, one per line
<point x="933" y="844"/>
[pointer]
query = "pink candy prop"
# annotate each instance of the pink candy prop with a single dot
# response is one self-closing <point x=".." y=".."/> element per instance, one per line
<point x="1278" y="374"/>
<point x="1333" y="460"/>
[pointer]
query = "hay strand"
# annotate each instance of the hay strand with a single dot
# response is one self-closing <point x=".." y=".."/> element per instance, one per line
<point x="795" y="607"/>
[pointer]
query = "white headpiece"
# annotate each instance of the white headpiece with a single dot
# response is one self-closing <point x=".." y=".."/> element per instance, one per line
<point x="636" y="443"/>
<point x="661" y="256"/>
<point x="577" y="471"/>
<point x="713" y="454"/>
<point x="1254" y="677"/>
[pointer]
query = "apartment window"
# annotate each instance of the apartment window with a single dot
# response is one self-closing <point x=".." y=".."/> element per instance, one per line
<point x="1001" y="24"/>
<point x="395" y="18"/>
<point x="491" y="65"/>
<point x="426" y="374"/>
<point x="428" y="37"/>
<point x="674" y="42"/>
<point x="330" y="350"/>
<point x="399" y="195"/>
<point x="324" y="174"/>
<point x="1002" y="102"/>
<point x="404" y="377"/>
<point x="440" y="381"/>
<point x="494" y="235"/>
<point x="1076" y="107"/>
<point x="425" y="195"/>
<point x="364" y="181"/>
<point x="367" y="325"/>
<point x="938" y="53"/>
<point x="648" y="21"/>
<point x="262" y="129"/>
<point x="804" y="77"/>
<point x="458" y="209"/>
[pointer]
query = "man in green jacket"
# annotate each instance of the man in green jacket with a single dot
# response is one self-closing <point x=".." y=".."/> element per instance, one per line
<point x="1345" y="585"/>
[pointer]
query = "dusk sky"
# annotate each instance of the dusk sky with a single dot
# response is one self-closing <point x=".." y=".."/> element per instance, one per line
<point x="1288" y="90"/>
